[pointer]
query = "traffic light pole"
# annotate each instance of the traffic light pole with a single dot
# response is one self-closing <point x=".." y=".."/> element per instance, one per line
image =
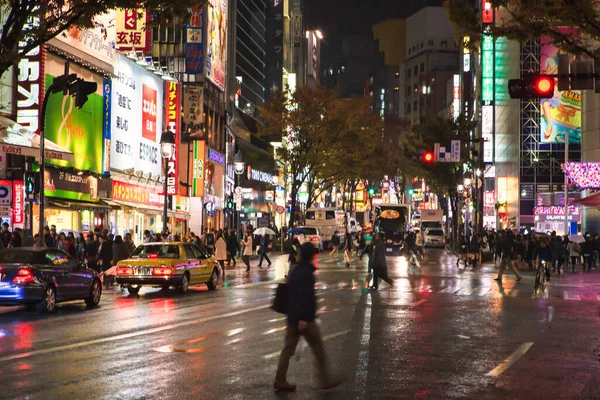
<point x="42" y="156"/>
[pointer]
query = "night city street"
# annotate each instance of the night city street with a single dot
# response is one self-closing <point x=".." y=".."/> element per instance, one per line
<point x="442" y="332"/>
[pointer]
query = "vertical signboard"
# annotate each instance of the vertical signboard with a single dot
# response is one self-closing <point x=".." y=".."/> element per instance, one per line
<point x="18" y="194"/>
<point x="274" y="47"/>
<point x="131" y="32"/>
<point x="106" y="124"/>
<point x="487" y="129"/>
<point x="193" y="100"/>
<point x="487" y="12"/>
<point x="193" y="45"/>
<point x="30" y="85"/>
<point x="456" y="97"/>
<point x="197" y="172"/>
<point x="173" y="121"/>
<point x="216" y="40"/>
<point x="487" y="68"/>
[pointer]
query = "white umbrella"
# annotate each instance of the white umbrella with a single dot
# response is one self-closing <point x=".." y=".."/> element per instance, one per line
<point x="263" y="231"/>
<point x="576" y="238"/>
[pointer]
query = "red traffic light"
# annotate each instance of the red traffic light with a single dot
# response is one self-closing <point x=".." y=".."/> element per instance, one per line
<point x="544" y="85"/>
<point x="428" y="157"/>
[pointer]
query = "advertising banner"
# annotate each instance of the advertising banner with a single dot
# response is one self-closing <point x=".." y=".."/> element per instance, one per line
<point x="18" y="203"/>
<point x="560" y="115"/>
<point x="136" y="119"/>
<point x="97" y="42"/>
<point x="122" y="191"/>
<point x="6" y="192"/>
<point x="77" y="130"/>
<point x="198" y="171"/>
<point x="65" y="185"/>
<point x="193" y="46"/>
<point x="216" y="39"/>
<point x="172" y="107"/>
<point x="131" y="32"/>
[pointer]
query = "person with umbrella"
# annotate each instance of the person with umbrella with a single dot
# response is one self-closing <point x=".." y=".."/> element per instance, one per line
<point x="264" y="249"/>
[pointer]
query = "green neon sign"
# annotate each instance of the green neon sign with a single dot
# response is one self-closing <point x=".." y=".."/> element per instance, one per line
<point x="487" y="68"/>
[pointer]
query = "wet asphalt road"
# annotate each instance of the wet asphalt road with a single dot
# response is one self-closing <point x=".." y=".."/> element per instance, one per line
<point x="441" y="333"/>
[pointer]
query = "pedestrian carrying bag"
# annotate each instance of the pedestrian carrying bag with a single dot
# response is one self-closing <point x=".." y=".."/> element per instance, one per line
<point x="280" y="301"/>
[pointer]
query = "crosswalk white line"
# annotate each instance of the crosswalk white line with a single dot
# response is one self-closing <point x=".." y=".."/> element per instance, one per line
<point x="571" y="295"/>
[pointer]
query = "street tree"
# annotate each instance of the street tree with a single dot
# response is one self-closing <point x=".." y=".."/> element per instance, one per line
<point x="323" y="136"/>
<point x="442" y="177"/>
<point x="29" y="24"/>
<point x="523" y="19"/>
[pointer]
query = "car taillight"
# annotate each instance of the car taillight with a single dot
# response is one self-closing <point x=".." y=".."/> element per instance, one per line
<point x="314" y="239"/>
<point x="24" y="275"/>
<point x="162" y="271"/>
<point x="124" y="271"/>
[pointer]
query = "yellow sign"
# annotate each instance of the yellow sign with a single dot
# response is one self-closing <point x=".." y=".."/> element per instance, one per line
<point x="390" y="214"/>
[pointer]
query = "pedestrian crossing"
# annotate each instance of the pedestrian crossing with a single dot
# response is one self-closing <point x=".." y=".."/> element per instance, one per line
<point x="497" y="291"/>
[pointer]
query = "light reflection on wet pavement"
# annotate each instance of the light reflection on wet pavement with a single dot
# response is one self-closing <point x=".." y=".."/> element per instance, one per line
<point x="439" y="333"/>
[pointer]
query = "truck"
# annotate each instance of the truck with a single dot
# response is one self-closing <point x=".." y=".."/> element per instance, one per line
<point x="328" y="220"/>
<point x="432" y="219"/>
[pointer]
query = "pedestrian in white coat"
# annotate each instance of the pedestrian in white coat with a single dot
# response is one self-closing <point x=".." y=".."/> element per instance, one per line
<point x="221" y="250"/>
<point x="247" y="243"/>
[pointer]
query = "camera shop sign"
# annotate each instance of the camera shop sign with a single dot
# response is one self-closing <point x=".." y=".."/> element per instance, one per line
<point x="259" y="176"/>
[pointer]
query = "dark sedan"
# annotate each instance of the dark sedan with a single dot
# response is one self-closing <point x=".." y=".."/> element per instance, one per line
<point x="44" y="277"/>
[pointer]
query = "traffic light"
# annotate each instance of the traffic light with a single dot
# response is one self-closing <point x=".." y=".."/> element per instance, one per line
<point x="411" y="191"/>
<point x="371" y="191"/>
<point x="428" y="157"/>
<point x="531" y="87"/>
<point x="81" y="90"/>
<point x="229" y="204"/>
<point x="32" y="183"/>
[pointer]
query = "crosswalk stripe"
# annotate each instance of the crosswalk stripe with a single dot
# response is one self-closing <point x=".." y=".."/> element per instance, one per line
<point x="587" y="296"/>
<point x="571" y="295"/>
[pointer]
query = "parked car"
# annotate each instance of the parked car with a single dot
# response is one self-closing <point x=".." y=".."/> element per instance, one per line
<point x="43" y="277"/>
<point x="167" y="264"/>
<point x="312" y="235"/>
<point x="434" y="238"/>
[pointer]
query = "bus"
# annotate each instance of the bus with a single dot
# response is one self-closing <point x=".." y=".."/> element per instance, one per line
<point x="328" y="220"/>
<point x="392" y="222"/>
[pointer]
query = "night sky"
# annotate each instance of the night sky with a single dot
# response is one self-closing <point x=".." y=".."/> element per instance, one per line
<point x="339" y="18"/>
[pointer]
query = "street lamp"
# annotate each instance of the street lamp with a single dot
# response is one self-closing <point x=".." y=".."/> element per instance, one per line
<point x="167" y="146"/>
<point x="238" y="163"/>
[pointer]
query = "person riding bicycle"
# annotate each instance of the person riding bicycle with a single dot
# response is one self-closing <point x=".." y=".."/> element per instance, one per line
<point x="545" y="256"/>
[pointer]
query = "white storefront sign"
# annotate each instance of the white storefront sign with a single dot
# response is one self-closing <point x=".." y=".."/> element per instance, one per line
<point x="136" y="118"/>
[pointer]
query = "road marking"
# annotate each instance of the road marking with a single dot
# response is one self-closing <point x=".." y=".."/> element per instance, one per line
<point x="463" y="337"/>
<point x="514" y="357"/>
<point x="587" y="296"/>
<point x="550" y="313"/>
<point x="130" y="335"/>
<point x="333" y="335"/>
<point x="483" y="291"/>
<point x="571" y="295"/>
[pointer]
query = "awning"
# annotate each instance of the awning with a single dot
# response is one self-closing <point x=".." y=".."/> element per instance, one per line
<point x="589" y="201"/>
<point x="143" y="208"/>
<point x="73" y="205"/>
<point x="15" y="139"/>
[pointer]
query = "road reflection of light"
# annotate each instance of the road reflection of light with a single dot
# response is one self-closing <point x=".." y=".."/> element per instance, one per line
<point x="24" y="367"/>
<point x="23" y="331"/>
<point x="125" y="313"/>
<point x="3" y="333"/>
<point x="234" y="341"/>
<point x="234" y="332"/>
<point x="362" y="368"/>
<point x="277" y="319"/>
<point x="162" y="311"/>
<point x="270" y="331"/>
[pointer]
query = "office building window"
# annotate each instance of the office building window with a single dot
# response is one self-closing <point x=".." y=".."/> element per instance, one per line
<point x="422" y="68"/>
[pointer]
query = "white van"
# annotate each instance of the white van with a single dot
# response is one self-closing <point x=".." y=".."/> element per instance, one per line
<point x="328" y="220"/>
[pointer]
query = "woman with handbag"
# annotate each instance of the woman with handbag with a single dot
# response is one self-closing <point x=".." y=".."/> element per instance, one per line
<point x="247" y="245"/>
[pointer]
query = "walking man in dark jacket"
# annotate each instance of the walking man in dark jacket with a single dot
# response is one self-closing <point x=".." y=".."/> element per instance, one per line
<point x="302" y="308"/>
<point x="264" y="249"/>
<point x="509" y="255"/>
<point x="378" y="262"/>
<point x="233" y="247"/>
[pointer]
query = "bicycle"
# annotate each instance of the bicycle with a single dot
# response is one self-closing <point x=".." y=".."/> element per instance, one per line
<point x="541" y="278"/>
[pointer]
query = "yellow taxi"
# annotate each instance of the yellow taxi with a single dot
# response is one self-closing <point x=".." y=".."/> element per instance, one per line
<point x="167" y="264"/>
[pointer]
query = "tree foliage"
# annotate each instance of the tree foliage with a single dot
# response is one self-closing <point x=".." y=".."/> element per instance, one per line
<point x="327" y="139"/>
<point x="27" y="24"/>
<point x="524" y="19"/>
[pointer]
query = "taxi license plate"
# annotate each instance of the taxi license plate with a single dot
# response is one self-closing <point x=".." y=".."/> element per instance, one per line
<point x="144" y="271"/>
<point x="389" y="250"/>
